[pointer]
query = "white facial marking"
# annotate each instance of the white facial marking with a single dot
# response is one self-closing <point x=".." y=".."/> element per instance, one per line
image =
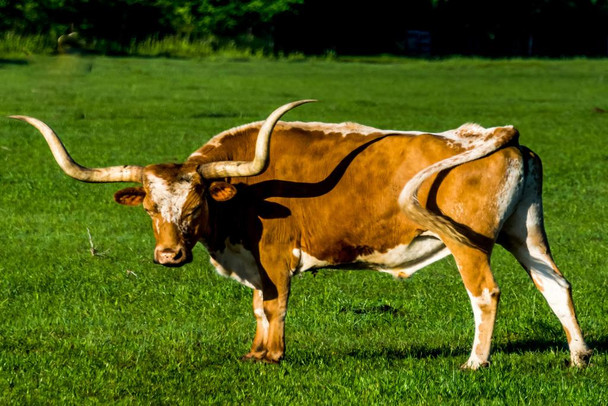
<point x="169" y="197"/>
<point x="238" y="263"/>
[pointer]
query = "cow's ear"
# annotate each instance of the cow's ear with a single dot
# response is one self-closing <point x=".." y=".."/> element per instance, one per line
<point x="222" y="191"/>
<point x="131" y="196"/>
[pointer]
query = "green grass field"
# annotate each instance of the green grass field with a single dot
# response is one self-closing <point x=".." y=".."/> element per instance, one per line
<point x="115" y="328"/>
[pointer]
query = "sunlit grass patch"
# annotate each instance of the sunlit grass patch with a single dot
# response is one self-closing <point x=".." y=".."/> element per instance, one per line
<point x="114" y="328"/>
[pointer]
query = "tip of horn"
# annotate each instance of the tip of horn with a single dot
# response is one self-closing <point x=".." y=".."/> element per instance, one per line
<point x="286" y="107"/>
<point x="305" y="101"/>
<point x="41" y="126"/>
<point x="26" y="119"/>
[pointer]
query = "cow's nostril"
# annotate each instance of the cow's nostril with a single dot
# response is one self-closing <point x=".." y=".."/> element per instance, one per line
<point x="172" y="256"/>
<point x="167" y="253"/>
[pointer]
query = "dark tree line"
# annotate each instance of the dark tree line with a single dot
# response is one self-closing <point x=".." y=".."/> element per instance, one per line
<point x="427" y="27"/>
<point x="469" y="27"/>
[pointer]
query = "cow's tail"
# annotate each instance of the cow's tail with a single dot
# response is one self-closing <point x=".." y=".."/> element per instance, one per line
<point x="408" y="199"/>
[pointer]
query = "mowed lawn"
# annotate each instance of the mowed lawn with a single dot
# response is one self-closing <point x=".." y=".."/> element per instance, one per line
<point x="115" y="328"/>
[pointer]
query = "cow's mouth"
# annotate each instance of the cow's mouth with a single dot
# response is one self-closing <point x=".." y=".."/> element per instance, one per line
<point x="173" y="258"/>
<point x="173" y="265"/>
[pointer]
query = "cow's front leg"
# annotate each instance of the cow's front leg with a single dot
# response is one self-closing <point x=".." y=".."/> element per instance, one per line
<point x="258" y="348"/>
<point x="275" y="295"/>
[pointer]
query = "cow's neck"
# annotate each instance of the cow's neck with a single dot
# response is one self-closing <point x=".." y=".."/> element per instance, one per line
<point x="226" y="222"/>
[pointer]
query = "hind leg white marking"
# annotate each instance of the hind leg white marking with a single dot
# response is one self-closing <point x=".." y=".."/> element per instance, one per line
<point x="536" y="259"/>
<point x="484" y="311"/>
<point x="524" y="236"/>
<point x="474" y="267"/>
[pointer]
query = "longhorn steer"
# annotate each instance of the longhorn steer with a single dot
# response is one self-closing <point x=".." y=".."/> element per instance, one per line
<point x="332" y="194"/>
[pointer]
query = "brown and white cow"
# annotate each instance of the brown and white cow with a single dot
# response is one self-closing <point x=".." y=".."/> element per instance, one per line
<point x="332" y="194"/>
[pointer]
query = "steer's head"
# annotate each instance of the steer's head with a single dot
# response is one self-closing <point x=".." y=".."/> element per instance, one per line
<point x="176" y="196"/>
<point x="172" y="197"/>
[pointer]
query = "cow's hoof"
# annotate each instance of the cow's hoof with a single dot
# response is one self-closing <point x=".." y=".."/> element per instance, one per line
<point x="473" y="365"/>
<point x="271" y="358"/>
<point x="580" y="359"/>
<point x="254" y="356"/>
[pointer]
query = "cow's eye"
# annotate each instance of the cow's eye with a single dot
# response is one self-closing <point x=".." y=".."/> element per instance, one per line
<point x="193" y="213"/>
<point x="151" y="210"/>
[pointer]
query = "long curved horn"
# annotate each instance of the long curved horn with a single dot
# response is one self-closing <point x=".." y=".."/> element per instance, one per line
<point x="224" y="169"/>
<point x="126" y="173"/>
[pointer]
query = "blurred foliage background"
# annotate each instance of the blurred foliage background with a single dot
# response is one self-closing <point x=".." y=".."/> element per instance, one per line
<point x="498" y="28"/>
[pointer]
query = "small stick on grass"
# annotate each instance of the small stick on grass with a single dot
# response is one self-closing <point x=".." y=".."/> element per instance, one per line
<point x="93" y="250"/>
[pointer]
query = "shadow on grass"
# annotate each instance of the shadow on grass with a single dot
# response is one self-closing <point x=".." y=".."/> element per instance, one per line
<point x="539" y="346"/>
<point x="216" y="114"/>
<point x="530" y="345"/>
<point x="599" y="346"/>
<point x="422" y="351"/>
<point x="21" y="62"/>
<point x="373" y="309"/>
<point x="410" y="352"/>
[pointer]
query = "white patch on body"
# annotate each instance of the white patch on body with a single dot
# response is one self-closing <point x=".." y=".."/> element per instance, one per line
<point x="342" y="129"/>
<point x="306" y="261"/>
<point x="509" y="195"/>
<point x="401" y="261"/>
<point x="238" y="263"/>
<point x="405" y="259"/>
<point x="468" y="136"/>
<point x="169" y="197"/>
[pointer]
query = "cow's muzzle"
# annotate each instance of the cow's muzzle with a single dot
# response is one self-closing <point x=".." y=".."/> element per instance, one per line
<point x="172" y="257"/>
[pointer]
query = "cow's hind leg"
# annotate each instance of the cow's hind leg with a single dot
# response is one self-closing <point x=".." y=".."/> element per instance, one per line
<point x="474" y="267"/>
<point x="528" y="244"/>
<point x="524" y="236"/>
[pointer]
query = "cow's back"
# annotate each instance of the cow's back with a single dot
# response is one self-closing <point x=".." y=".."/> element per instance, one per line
<point x="334" y="194"/>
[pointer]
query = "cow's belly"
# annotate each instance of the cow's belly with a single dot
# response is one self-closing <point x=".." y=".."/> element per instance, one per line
<point x="400" y="261"/>
<point x="238" y="263"/>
